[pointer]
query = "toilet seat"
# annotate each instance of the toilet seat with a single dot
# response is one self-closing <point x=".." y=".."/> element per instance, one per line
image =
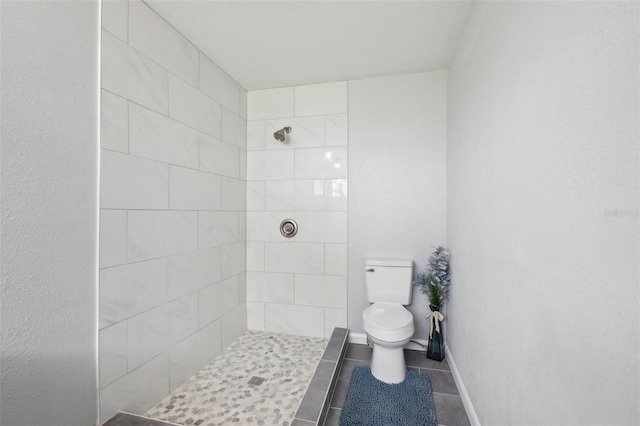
<point x="389" y="322"/>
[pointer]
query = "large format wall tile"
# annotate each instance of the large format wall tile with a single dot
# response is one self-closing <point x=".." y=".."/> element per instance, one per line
<point x="131" y="289"/>
<point x="265" y="226"/>
<point x="114" y="122"/>
<point x="137" y="391"/>
<point x="305" y="132"/>
<point x="335" y="259"/>
<point x="234" y="194"/>
<point x="295" y="194"/>
<point x="217" y="300"/>
<point x="256" y="135"/>
<point x="150" y="35"/>
<point x="243" y="103"/>
<point x="154" y="331"/>
<point x="300" y="258"/>
<point x="194" y="190"/>
<point x="233" y="324"/>
<point x="219" y="157"/>
<point x="217" y="84"/>
<point x="243" y="164"/>
<point x="127" y="73"/>
<point x="192" y="271"/>
<point x="113" y="353"/>
<point x="154" y="234"/>
<point x="242" y="287"/>
<point x="336" y="194"/>
<point x="336" y="130"/>
<point x="192" y="353"/>
<point x="322" y="227"/>
<point x="270" y="165"/>
<point x="321" y="99"/>
<point x="255" y="256"/>
<point x="218" y="228"/>
<point x="191" y="107"/>
<point x="270" y="103"/>
<point x="334" y="317"/>
<point x="314" y="194"/>
<point x="270" y="287"/>
<point x="183" y="317"/>
<point x="233" y="259"/>
<point x="321" y="290"/>
<point x="115" y="18"/>
<point x="155" y="136"/>
<point x="316" y="163"/>
<point x="234" y="129"/>
<point x="173" y="209"/>
<point x="293" y="319"/>
<point x="147" y="336"/>
<point x="255" y="315"/>
<point x="255" y="195"/>
<point x="128" y="182"/>
<point x="113" y="237"/>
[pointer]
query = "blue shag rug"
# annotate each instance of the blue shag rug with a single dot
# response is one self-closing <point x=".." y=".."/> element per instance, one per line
<point x="370" y="402"/>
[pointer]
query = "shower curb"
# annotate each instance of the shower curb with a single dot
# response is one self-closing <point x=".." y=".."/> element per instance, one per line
<point x="315" y="403"/>
<point x="122" y="418"/>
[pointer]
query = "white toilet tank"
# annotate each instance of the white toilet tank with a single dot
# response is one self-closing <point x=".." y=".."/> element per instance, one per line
<point x="389" y="280"/>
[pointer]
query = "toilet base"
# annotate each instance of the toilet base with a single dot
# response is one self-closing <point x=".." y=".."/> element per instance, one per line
<point x="387" y="363"/>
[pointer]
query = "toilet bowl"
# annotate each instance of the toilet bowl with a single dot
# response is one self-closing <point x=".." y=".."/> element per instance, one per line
<point x="389" y="327"/>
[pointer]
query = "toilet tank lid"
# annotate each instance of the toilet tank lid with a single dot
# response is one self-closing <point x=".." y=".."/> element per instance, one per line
<point x="389" y="262"/>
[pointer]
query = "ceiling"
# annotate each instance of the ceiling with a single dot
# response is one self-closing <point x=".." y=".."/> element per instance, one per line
<point x="264" y="44"/>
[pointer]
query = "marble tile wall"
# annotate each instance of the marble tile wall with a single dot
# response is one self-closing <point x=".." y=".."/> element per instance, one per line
<point x="173" y="209"/>
<point x="297" y="285"/>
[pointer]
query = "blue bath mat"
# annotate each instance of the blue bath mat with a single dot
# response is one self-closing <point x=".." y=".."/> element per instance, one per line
<point x="370" y="402"/>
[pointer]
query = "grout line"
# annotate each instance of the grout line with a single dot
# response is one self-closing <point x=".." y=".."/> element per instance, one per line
<point x="126" y="244"/>
<point x="128" y="125"/>
<point x="199" y="65"/>
<point x="166" y="163"/>
<point x="99" y="217"/>
<point x="169" y="190"/>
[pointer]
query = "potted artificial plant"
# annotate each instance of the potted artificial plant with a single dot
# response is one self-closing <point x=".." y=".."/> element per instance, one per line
<point x="434" y="283"/>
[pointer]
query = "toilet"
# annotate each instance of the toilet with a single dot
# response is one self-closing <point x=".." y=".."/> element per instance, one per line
<point x="389" y="325"/>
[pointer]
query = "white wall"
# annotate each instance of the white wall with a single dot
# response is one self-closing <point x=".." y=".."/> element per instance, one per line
<point x="173" y="209"/>
<point x="543" y="184"/>
<point x="397" y="194"/>
<point x="48" y="214"/>
<point x="297" y="285"/>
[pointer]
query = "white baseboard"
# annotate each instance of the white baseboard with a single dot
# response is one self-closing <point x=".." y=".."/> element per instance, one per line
<point x="464" y="395"/>
<point x="358" y="338"/>
<point x="361" y="339"/>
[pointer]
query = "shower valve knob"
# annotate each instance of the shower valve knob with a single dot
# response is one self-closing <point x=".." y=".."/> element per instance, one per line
<point x="288" y="228"/>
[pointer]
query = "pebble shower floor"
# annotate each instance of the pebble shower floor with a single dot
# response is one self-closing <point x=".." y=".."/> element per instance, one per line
<point x="220" y="393"/>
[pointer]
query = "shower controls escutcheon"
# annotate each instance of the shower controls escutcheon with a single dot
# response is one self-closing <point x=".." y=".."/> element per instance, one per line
<point x="288" y="228"/>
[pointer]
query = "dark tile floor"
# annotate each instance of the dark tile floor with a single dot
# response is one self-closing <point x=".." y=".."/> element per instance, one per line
<point x="449" y="408"/>
<point x="126" y="419"/>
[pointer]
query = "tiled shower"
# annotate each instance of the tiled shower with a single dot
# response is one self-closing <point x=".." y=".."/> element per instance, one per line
<point x="193" y="190"/>
<point x="297" y="285"/>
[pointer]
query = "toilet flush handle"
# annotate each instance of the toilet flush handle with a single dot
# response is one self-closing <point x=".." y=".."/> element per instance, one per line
<point x="370" y="270"/>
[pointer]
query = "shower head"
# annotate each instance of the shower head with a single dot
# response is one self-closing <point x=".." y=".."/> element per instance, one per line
<point x="280" y="134"/>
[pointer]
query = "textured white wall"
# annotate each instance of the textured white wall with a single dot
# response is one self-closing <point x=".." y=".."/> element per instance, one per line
<point x="543" y="228"/>
<point x="48" y="213"/>
<point x="397" y="194"/>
